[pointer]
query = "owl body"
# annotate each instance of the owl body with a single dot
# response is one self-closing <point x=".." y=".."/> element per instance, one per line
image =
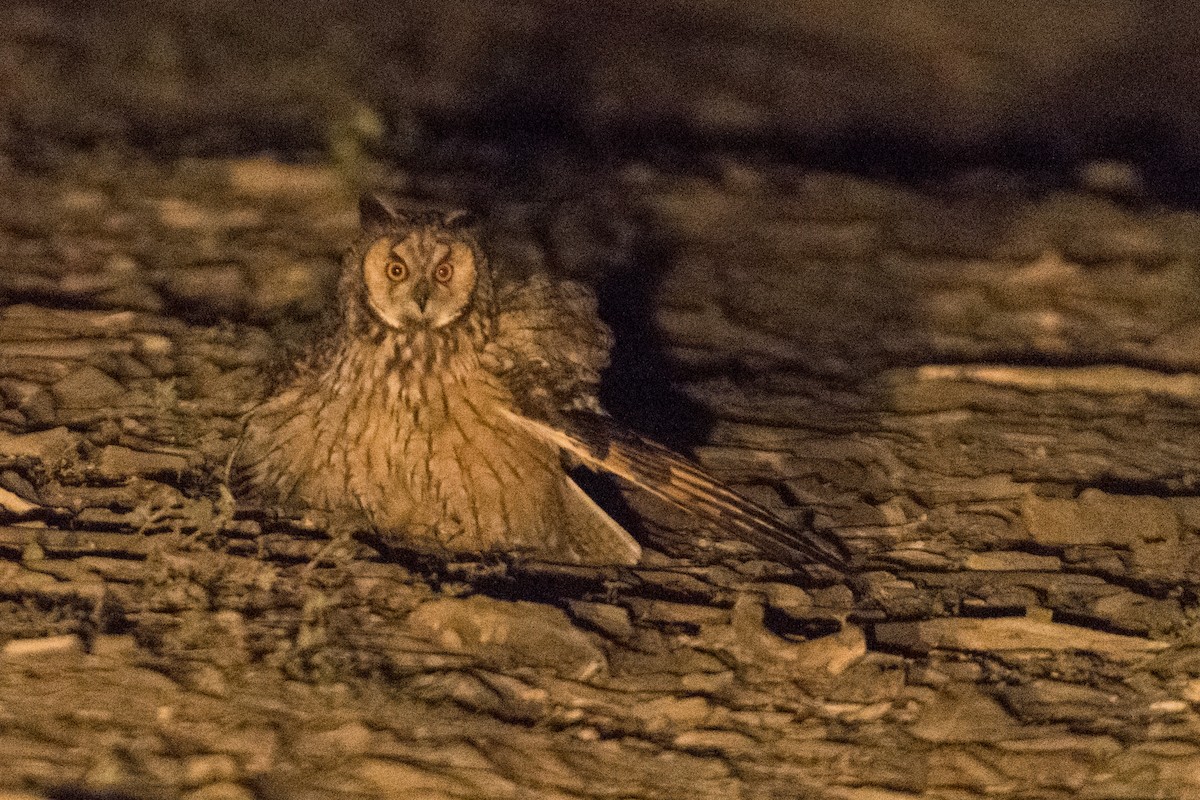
<point x="440" y="405"/>
<point x="403" y="427"/>
<point x="417" y="448"/>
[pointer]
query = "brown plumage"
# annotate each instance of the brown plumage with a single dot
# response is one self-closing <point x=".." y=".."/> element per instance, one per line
<point x="439" y="406"/>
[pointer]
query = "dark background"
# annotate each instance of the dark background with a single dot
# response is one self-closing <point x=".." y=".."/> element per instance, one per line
<point x="900" y="88"/>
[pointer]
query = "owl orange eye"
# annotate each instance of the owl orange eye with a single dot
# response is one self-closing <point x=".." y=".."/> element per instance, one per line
<point x="444" y="272"/>
<point x="397" y="270"/>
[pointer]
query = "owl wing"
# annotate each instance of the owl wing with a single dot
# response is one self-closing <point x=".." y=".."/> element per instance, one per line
<point x="550" y="348"/>
<point x="550" y="345"/>
<point x="604" y="446"/>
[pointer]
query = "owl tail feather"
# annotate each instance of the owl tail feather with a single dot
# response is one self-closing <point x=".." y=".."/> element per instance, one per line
<point x="601" y="445"/>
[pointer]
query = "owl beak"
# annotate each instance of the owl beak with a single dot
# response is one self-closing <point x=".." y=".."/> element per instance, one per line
<point x="421" y="294"/>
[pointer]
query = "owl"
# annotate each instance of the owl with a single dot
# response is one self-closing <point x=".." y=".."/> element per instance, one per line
<point x="443" y="408"/>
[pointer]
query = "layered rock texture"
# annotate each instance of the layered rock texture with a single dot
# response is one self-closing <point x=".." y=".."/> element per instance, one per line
<point x="986" y="384"/>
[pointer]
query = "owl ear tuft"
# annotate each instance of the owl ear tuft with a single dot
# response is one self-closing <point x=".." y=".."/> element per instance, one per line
<point x="459" y="218"/>
<point x="375" y="212"/>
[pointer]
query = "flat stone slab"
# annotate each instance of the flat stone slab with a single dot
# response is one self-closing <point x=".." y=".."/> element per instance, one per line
<point x="1005" y="634"/>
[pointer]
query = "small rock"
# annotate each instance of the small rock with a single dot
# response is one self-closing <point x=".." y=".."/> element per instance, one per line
<point x="667" y="613"/>
<point x="176" y="212"/>
<point x="957" y="490"/>
<point x="964" y="714"/>
<point x="15" y="505"/>
<point x="49" y="446"/>
<point x="666" y="712"/>
<point x="612" y="621"/>
<point x="749" y="642"/>
<point x="49" y="646"/>
<point x="263" y="178"/>
<point x="157" y="353"/>
<point x="1168" y="707"/>
<point x="30" y="398"/>
<point x="209" y="680"/>
<point x="118" y="462"/>
<point x="833" y="653"/>
<point x="13" y="417"/>
<point x="1100" y="518"/>
<point x="727" y="743"/>
<point x="208" y="768"/>
<point x="289" y="286"/>
<point x="1012" y="561"/>
<point x="869" y="682"/>
<point x="125" y="367"/>
<point x="88" y="387"/>
<point x="915" y="558"/>
<point x="784" y="597"/>
<point x="351" y="739"/>
<point x="1111" y="177"/>
<point x="1136" y="613"/>
<point x="116" y="646"/>
<point x="132" y="295"/>
<point x="392" y="778"/>
<point x="926" y="675"/>
<point x="16" y="483"/>
<point x="1049" y="701"/>
<point x="1011" y="633"/>
<point x="510" y="633"/>
<point x="224" y="790"/>
<point x="1118" y="239"/>
<point x="1067" y="744"/>
<point x="836" y="599"/>
<point x="68" y="323"/>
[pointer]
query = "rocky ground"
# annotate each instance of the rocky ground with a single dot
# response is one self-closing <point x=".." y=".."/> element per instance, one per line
<point x="986" y="392"/>
<point x="984" y="384"/>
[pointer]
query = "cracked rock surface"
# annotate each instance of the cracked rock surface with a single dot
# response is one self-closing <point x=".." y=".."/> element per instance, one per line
<point x="998" y="426"/>
<point x="986" y="386"/>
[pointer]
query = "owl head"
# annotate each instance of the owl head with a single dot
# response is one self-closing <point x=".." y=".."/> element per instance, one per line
<point x="415" y="271"/>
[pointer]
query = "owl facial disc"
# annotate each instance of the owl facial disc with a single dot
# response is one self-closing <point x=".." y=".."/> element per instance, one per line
<point x="419" y="279"/>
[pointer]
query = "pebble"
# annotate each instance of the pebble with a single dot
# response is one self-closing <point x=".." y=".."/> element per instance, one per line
<point x="834" y="653"/>
<point x="1051" y="701"/>
<point x="509" y="633"/>
<point x="1111" y="177"/>
<point x="17" y="484"/>
<point x="350" y="739"/>
<point x="69" y="323"/>
<point x="208" y="768"/>
<point x="48" y="446"/>
<point x="264" y="178"/>
<point x="223" y="790"/>
<point x="88" y="387"/>
<point x="31" y="399"/>
<point x="791" y="600"/>
<point x="961" y="714"/>
<point x="612" y="621"/>
<point x="1100" y="518"/>
<point x="116" y="462"/>
<point x="14" y="504"/>
<point x="662" y="713"/>
<point x="1012" y="561"/>
<point x="55" y="646"/>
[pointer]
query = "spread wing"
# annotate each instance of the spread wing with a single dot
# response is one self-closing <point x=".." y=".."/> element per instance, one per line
<point x="549" y="349"/>
<point x="604" y="446"/>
